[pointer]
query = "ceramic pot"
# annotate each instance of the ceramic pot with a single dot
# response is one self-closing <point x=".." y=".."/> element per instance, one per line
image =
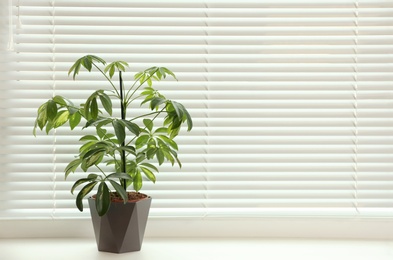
<point x="122" y="228"/>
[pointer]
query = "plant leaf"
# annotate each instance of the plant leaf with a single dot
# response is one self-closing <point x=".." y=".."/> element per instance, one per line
<point x="137" y="181"/>
<point x="148" y="123"/>
<point x="134" y="128"/>
<point x="59" y="100"/>
<point x="106" y="102"/>
<point x="141" y="141"/>
<point x="119" y="130"/>
<point x="156" y="102"/>
<point x="51" y="109"/>
<point x="178" y="109"/>
<point x="42" y="117"/>
<point x="82" y="193"/>
<point x="149" y="165"/>
<point x="119" y="175"/>
<point x="72" y="166"/>
<point x="129" y="149"/>
<point x="75" y="120"/>
<point x="103" y="199"/>
<point x="61" y="118"/>
<point x="94" y="108"/>
<point x="79" y="182"/>
<point x="88" y="138"/>
<point x="169" y="141"/>
<point x="160" y="156"/>
<point x="120" y="190"/>
<point x="149" y="174"/>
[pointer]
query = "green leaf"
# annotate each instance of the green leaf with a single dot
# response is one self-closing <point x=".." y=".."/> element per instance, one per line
<point x="149" y="165"/>
<point x="140" y="158"/>
<point x="161" y="130"/>
<point x="87" y="62"/>
<point x="119" y="131"/>
<point x="148" y="123"/>
<point x="120" y="190"/>
<point x="101" y="132"/>
<point x="111" y="71"/>
<point x="120" y="65"/>
<point x="49" y="126"/>
<point x="72" y="166"/>
<point x="75" y="120"/>
<point x="189" y="120"/>
<point x="178" y="109"/>
<point x="169" y="156"/>
<point x="51" y="109"/>
<point x="42" y="117"/>
<point x="129" y="149"/>
<point x="156" y="102"/>
<point x="119" y="175"/>
<point x="92" y="176"/>
<point x="83" y="192"/>
<point x="169" y="141"/>
<point x="94" y="108"/>
<point x="160" y="156"/>
<point x="175" y="156"/>
<point x="61" y="118"/>
<point x="141" y="141"/>
<point x="93" y="152"/>
<point x="93" y="157"/>
<point x="75" y="68"/>
<point x="134" y="128"/>
<point x="88" y="138"/>
<point x="98" y="122"/>
<point x="137" y="181"/>
<point x="79" y="182"/>
<point x="86" y="147"/>
<point x="147" y="91"/>
<point x="59" y="100"/>
<point x="169" y="72"/>
<point x="103" y="199"/>
<point x="138" y="75"/>
<point x="149" y="82"/>
<point x="97" y="59"/>
<point x="149" y="174"/>
<point x="106" y="103"/>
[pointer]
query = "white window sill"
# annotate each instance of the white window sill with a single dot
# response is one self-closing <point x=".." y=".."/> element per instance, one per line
<point x="201" y="249"/>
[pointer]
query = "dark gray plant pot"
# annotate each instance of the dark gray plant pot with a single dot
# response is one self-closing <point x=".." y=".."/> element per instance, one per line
<point x="122" y="228"/>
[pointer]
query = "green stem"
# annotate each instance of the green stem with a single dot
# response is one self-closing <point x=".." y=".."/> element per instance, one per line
<point x="123" y="116"/>
<point x="128" y="97"/>
<point x="149" y="114"/>
<point x="101" y="171"/>
<point x="157" y="114"/>
<point x="109" y="80"/>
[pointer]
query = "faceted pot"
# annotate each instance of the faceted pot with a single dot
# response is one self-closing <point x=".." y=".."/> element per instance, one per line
<point x="122" y="228"/>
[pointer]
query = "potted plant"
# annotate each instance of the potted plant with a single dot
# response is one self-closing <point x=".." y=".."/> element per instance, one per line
<point x="122" y="151"/>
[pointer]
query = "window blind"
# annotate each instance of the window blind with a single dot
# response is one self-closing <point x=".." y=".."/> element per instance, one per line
<point x="291" y="101"/>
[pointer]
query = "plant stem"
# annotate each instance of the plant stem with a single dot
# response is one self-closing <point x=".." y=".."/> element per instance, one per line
<point x="110" y="81"/>
<point x="128" y="97"/>
<point x="157" y="114"/>
<point x="123" y="116"/>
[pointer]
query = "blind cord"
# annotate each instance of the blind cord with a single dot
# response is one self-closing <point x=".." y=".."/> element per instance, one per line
<point x="10" y="46"/>
<point x="207" y="88"/>
<point x="355" y="113"/>
<point x="54" y="160"/>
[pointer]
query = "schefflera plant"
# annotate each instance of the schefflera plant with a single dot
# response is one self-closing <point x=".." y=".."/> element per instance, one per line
<point x="126" y="144"/>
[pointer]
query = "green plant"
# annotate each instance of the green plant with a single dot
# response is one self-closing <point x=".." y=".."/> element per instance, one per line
<point x="125" y="144"/>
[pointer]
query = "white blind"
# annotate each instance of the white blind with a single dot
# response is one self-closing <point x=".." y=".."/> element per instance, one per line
<point x="291" y="101"/>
